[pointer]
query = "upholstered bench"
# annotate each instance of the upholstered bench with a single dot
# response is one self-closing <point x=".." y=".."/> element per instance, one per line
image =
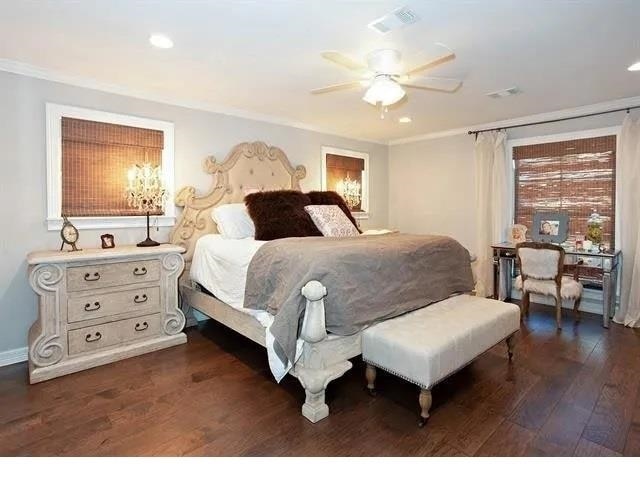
<point x="427" y="345"/>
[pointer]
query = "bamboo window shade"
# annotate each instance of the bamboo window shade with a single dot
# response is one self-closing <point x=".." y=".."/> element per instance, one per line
<point x="577" y="177"/>
<point x="338" y="166"/>
<point x="95" y="159"/>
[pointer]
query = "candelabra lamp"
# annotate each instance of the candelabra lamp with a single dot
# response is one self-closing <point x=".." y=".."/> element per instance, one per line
<point x="145" y="191"/>
<point x="349" y="190"/>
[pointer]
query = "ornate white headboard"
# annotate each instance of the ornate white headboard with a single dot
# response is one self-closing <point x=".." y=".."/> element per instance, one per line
<point x="249" y="166"/>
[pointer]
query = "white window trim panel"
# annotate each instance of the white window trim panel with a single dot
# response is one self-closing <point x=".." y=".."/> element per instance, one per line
<point x="364" y="214"/>
<point x="54" y="114"/>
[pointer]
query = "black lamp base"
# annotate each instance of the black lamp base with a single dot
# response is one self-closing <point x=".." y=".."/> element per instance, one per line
<point x="148" y="243"/>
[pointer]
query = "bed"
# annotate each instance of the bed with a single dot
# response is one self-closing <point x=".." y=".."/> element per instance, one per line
<point x="320" y="357"/>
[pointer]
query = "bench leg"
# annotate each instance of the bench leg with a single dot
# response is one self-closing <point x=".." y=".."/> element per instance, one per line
<point x="370" y="373"/>
<point x="511" y="341"/>
<point x="425" y="405"/>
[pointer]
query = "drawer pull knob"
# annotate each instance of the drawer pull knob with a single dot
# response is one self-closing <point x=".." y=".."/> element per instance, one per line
<point x="140" y="299"/>
<point x="89" y="308"/>
<point x="140" y="328"/>
<point x="97" y="336"/>
<point x="140" y="271"/>
<point x="92" y="277"/>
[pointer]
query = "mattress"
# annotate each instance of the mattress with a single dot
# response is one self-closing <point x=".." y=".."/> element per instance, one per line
<point x="220" y="265"/>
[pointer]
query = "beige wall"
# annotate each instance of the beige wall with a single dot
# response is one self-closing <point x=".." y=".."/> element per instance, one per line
<point x="197" y="134"/>
<point x="432" y="182"/>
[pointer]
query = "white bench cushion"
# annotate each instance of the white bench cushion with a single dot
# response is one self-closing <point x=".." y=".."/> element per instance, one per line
<point x="429" y="344"/>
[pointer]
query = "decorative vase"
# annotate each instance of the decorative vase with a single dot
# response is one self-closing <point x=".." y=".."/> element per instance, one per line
<point x="594" y="228"/>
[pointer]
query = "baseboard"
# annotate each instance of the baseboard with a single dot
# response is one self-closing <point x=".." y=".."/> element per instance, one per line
<point x="14" y="356"/>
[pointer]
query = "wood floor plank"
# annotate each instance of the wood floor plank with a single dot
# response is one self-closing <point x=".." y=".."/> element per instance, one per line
<point x="561" y="432"/>
<point x="509" y="440"/>
<point x="586" y="448"/>
<point x="612" y="414"/>
<point x="215" y="396"/>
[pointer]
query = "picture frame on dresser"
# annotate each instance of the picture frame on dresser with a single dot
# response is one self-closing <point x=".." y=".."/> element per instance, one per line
<point x="98" y="306"/>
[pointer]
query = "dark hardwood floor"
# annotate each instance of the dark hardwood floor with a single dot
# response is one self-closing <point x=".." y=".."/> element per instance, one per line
<point x="571" y="393"/>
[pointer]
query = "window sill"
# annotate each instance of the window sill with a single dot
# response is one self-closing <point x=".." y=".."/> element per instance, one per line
<point x="95" y="223"/>
<point x="360" y="215"/>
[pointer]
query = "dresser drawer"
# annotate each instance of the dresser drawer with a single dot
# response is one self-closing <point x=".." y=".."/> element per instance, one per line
<point x="134" y="301"/>
<point x="113" y="334"/>
<point x="112" y="274"/>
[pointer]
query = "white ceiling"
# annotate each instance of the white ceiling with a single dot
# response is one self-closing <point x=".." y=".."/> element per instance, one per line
<point x="263" y="56"/>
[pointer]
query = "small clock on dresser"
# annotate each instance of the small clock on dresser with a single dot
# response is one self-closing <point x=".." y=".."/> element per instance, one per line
<point x="69" y="234"/>
<point x="99" y="306"/>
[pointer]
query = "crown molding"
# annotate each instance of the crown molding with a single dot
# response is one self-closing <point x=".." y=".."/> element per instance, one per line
<point x="28" y="70"/>
<point x="539" y="117"/>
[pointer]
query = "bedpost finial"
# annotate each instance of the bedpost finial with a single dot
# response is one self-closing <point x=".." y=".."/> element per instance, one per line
<point x="314" y="291"/>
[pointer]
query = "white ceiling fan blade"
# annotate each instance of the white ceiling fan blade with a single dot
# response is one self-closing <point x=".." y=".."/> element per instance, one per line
<point x="336" y="87"/>
<point x="433" y="63"/>
<point x="438" y="84"/>
<point x="343" y="60"/>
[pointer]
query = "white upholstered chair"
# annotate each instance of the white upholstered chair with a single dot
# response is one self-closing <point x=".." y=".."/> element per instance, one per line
<point x="541" y="268"/>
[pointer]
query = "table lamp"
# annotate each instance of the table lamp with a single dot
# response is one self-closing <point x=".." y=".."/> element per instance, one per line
<point x="145" y="191"/>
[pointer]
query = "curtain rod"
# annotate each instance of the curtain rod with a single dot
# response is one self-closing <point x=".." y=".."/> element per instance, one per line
<point x="627" y="109"/>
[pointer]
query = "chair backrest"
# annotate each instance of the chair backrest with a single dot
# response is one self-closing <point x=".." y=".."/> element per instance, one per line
<point x="542" y="261"/>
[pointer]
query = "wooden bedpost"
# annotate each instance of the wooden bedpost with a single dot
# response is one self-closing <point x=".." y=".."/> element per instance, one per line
<point x="312" y="370"/>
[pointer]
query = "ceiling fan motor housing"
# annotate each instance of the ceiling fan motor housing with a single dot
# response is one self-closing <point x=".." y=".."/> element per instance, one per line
<point x="386" y="61"/>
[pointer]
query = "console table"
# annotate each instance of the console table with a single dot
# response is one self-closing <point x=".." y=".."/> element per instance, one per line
<point x="606" y="265"/>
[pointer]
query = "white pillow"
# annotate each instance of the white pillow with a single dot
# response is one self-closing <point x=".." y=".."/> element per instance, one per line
<point x="331" y="221"/>
<point x="233" y="221"/>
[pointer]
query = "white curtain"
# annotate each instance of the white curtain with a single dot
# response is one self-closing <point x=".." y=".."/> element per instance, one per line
<point x="628" y="180"/>
<point x="493" y="203"/>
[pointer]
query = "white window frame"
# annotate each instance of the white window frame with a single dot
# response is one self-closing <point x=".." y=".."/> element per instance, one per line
<point x="54" y="113"/>
<point x="364" y="214"/>
<point x="563" y="137"/>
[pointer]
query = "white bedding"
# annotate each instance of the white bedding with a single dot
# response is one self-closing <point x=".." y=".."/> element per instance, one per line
<point x="220" y="265"/>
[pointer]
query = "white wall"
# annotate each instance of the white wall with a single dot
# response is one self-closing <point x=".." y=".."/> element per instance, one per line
<point x="432" y="182"/>
<point x="197" y="134"/>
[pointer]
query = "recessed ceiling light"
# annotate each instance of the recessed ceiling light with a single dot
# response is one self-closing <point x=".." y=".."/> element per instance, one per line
<point x="404" y="119"/>
<point x="635" y="67"/>
<point x="160" y="41"/>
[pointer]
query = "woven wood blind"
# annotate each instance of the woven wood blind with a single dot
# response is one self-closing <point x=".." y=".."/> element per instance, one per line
<point x="95" y="159"/>
<point x="338" y="166"/>
<point x="576" y="176"/>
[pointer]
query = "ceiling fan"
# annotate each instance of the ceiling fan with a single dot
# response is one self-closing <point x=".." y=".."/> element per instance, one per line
<point x="384" y="78"/>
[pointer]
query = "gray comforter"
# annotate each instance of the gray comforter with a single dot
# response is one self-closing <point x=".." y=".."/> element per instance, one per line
<point x="368" y="278"/>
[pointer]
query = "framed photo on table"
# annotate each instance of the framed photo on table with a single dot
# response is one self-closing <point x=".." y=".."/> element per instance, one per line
<point x="550" y="227"/>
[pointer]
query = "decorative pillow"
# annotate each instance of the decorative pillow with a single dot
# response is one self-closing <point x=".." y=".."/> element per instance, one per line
<point x="280" y="214"/>
<point x="233" y="221"/>
<point x="331" y="221"/>
<point x="332" y="198"/>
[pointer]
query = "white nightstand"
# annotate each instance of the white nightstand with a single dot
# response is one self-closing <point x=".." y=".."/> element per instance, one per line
<point x="97" y="306"/>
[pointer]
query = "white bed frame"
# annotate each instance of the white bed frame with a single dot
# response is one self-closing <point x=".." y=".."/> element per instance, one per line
<point x="259" y="166"/>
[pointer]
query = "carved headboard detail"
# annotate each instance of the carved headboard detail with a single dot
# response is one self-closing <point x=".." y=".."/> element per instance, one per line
<point x="249" y="166"/>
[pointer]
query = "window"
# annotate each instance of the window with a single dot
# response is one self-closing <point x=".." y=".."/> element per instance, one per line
<point x="88" y="156"/>
<point x="347" y="172"/>
<point x="574" y="175"/>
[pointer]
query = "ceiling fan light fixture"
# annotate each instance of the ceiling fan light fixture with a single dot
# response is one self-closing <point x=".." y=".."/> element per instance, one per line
<point x="384" y="91"/>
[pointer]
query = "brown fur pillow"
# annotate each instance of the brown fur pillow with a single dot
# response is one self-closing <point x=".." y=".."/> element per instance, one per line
<point x="332" y="198"/>
<point x="280" y="214"/>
